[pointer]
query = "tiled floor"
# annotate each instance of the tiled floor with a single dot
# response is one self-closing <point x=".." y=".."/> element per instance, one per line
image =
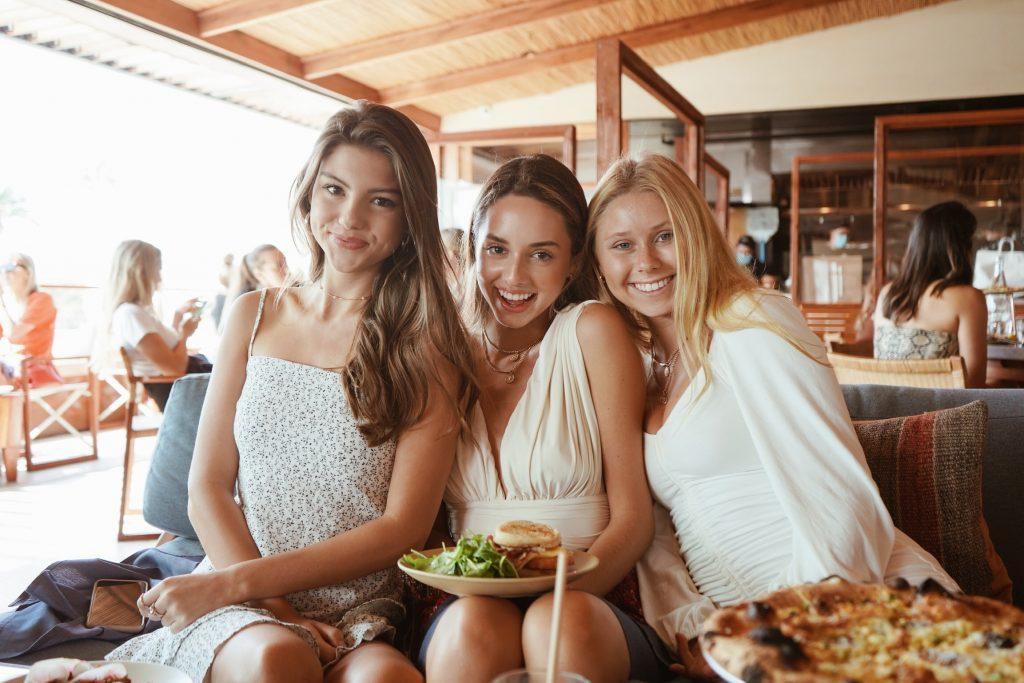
<point x="65" y="512"/>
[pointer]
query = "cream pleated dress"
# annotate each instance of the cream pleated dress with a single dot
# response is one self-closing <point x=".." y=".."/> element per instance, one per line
<point x="762" y="483"/>
<point x="551" y="467"/>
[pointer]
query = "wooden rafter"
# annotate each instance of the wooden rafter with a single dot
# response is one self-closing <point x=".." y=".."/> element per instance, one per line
<point x="716" y="20"/>
<point x="497" y="19"/>
<point x="182" y="20"/>
<point x="237" y="14"/>
<point x="512" y="136"/>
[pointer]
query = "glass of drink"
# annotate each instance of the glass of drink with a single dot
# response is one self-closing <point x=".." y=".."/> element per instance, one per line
<point x="538" y="676"/>
<point x="1020" y="331"/>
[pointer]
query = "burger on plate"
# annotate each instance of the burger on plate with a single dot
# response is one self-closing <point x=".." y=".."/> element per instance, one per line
<point x="531" y="546"/>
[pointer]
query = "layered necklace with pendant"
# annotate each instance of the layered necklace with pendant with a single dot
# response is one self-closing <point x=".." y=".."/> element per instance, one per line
<point x="516" y="356"/>
<point x="663" y="373"/>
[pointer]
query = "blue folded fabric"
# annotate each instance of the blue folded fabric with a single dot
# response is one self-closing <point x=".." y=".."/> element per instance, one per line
<point x="53" y="608"/>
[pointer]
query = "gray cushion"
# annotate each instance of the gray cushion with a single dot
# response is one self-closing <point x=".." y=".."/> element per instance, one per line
<point x="165" y="502"/>
<point x="1003" y="467"/>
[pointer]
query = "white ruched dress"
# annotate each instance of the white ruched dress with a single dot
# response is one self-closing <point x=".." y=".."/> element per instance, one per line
<point x="762" y="484"/>
<point x="551" y="468"/>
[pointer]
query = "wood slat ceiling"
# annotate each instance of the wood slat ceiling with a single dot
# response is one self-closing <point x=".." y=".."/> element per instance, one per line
<point x="444" y="56"/>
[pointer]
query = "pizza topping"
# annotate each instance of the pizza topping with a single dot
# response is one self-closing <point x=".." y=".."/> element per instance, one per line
<point x="759" y="610"/>
<point x="998" y="641"/>
<point x="752" y="673"/>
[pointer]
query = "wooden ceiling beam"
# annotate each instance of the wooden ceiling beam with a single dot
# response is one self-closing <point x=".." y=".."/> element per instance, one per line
<point x="715" y="20"/>
<point x="437" y="34"/>
<point x="238" y="14"/>
<point x="171" y="15"/>
<point x="647" y="78"/>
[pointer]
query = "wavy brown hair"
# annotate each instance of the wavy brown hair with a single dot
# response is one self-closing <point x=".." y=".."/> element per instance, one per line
<point x="550" y="182"/>
<point x="410" y="318"/>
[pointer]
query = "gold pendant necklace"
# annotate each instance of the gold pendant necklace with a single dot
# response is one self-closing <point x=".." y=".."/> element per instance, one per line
<point x="519" y="357"/>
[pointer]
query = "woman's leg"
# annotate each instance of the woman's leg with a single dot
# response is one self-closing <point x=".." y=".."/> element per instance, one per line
<point x="373" y="663"/>
<point x="592" y="643"/>
<point x="263" y="654"/>
<point x="476" y="639"/>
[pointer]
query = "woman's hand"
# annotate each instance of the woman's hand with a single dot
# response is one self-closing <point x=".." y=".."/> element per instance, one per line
<point x="180" y="600"/>
<point x="327" y="638"/>
<point x="185" y="308"/>
<point x="188" y="326"/>
<point x="693" y="663"/>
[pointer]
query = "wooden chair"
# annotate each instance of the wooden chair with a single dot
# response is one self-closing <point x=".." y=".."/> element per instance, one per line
<point x="862" y="349"/>
<point x="135" y="426"/>
<point x="942" y="373"/>
<point x="29" y="396"/>
<point x="832" y="321"/>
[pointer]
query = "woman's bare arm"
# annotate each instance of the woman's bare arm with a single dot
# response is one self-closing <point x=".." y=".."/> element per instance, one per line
<point x="972" y="333"/>
<point x="616" y="376"/>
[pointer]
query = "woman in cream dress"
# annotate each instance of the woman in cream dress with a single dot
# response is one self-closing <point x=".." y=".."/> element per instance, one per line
<point x="556" y="437"/>
<point x="749" y="447"/>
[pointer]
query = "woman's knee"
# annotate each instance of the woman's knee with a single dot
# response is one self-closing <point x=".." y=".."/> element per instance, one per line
<point x="587" y="622"/>
<point x="374" y="663"/>
<point x="489" y="628"/>
<point x="266" y="652"/>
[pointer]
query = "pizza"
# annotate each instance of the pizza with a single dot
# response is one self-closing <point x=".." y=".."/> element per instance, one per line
<point x="850" y="632"/>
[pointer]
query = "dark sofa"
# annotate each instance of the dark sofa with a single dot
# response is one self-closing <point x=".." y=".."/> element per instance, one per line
<point x="166" y="494"/>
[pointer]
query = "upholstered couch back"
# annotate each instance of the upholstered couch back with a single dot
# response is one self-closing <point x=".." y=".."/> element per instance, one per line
<point x="166" y="496"/>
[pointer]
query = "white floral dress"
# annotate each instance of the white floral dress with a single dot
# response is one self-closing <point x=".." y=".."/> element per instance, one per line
<point x="305" y="474"/>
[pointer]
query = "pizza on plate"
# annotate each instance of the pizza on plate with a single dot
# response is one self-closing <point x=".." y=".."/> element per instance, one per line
<point x="841" y="631"/>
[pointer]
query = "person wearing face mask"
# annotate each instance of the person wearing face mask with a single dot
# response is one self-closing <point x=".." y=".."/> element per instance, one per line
<point x="746" y="256"/>
<point x="556" y="439"/>
<point x="753" y="495"/>
<point x="839" y="238"/>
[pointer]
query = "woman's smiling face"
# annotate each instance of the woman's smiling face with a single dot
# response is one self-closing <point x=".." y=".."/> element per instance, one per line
<point x="636" y="253"/>
<point x="523" y="259"/>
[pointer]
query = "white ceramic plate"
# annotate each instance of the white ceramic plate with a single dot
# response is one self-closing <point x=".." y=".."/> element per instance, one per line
<point x="716" y="667"/>
<point x="141" y="672"/>
<point x="583" y="563"/>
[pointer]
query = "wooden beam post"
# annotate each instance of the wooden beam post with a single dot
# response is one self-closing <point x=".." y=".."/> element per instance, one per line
<point x="881" y="197"/>
<point x="569" y="148"/>
<point x="695" y="153"/>
<point x="609" y="104"/>
<point x="794" y="231"/>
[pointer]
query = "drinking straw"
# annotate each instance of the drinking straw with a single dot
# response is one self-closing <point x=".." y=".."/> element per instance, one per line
<point x="556" y="614"/>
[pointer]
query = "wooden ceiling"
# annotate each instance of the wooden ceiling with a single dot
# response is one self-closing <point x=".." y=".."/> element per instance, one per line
<point x="435" y="57"/>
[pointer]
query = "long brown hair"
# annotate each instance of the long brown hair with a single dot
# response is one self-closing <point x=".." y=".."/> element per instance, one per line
<point x="410" y="318"/>
<point x="939" y="252"/>
<point x="549" y="181"/>
<point x="712" y="291"/>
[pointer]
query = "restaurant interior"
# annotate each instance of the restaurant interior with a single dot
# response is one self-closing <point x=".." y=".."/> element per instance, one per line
<point x="817" y="130"/>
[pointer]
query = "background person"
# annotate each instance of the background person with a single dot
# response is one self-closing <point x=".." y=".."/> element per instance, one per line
<point x="931" y="310"/>
<point x="153" y="348"/>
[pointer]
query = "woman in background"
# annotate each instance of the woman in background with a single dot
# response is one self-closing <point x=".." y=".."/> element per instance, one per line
<point x="153" y="348"/>
<point x="931" y="310"/>
<point x="29" y="321"/>
<point x="262" y="268"/>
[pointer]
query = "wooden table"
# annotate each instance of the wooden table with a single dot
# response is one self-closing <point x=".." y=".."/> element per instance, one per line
<point x="1005" y="366"/>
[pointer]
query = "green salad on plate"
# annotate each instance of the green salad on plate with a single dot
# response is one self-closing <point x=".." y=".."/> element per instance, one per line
<point x="473" y="556"/>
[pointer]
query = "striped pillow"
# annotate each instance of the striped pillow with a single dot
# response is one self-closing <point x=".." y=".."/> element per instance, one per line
<point x="928" y="470"/>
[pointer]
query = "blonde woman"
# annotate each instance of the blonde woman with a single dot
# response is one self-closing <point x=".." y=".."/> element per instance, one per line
<point x="749" y="445"/>
<point x="29" y="320"/>
<point x="153" y="348"/>
<point x="334" y="409"/>
<point x="263" y="267"/>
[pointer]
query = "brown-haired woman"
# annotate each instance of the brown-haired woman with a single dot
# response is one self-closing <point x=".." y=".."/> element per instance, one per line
<point x="336" y="407"/>
<point x="556" y="438"/>
<point x="931" y="310"/>
<point x="760" y="492"/>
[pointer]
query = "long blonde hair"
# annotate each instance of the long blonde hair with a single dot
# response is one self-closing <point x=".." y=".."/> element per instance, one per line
<point x="133" y="279"/>
<point x="410" y="317"/>
<point x="712" y="291"/>
<point x="134" y="275"/>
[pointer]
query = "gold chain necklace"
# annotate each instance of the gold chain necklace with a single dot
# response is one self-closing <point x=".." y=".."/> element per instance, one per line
<point x="342" y="298"/>
<point x="520" y="358"/>
<point x="516" y="354"/>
